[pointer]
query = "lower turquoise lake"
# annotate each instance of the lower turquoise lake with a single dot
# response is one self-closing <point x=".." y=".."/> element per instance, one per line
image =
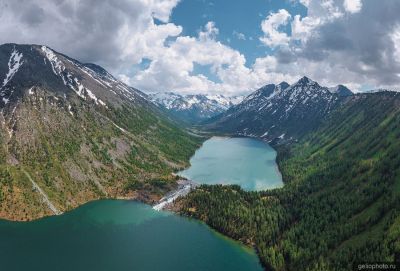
<point x="247" y="162"/>
<point x="116" y="235"/>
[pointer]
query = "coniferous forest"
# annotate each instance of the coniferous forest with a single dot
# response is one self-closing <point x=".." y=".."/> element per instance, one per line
<point x="340" y="205"/>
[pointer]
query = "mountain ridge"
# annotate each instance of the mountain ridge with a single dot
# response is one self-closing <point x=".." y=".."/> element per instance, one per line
<point x="280" y="111"/>
<point x="194" y="108"/>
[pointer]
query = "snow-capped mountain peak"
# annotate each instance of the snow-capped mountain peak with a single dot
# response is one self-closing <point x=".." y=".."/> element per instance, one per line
<point x="305" y="81"/>
<point x="194" y="107"/>
<point x="36" y="65"/>
<point x="276" y="110"/>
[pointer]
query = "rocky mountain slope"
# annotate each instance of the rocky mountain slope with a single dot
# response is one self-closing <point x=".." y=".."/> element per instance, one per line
<point x="71" y="132"/>
<point x="194" y="108"/>
<point x="279" y="111"/>
<point x="341" y="90"/>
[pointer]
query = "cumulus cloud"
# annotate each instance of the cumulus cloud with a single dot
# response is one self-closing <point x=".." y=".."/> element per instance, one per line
<point x="352" y="6"/>
<point x="350" y="42"/>
<point x="395" y="36"/>
<point x="302" y="28"/>
<point x="239" y="36"/>
<point x="90" y="30"/>
<point x="271" y="27"/>
<point x="174" y="70"/>
<point x="119" y="35"/>
<point x="355" y="42"/>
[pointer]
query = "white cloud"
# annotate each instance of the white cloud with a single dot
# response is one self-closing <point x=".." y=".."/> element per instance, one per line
<point x="302" y="28"/>
<point x="395" y="36"/>
<point x="332" y="43"/>
<point x="306" y="3"/>
<point x="89" y="30"/>
<point x="239" y="36"/>
<point x="149" y="42"/>
<point x="161" y="9"/>
<point x="271" y="27"/>
<point x="172" y="66"/>
<point x="331" y="9"/>
<point x="352" y="6"/>
<point x="124" y="78"/>
<point x="329" y="44"/>
<point x="210" y="31"/>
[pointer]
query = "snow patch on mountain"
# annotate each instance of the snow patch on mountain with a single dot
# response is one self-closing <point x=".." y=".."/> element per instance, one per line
<point x="14" y="63"/>
<point x="172" y="100"/>
<point x="165" y="99"/>
<point x="198" y="106"/>
<point x="68" y="78"/>
<point x="56" y="65"/>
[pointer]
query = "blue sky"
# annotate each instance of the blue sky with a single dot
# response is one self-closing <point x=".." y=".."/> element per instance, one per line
<point x="233" y="17"/>
<point x="239" y="24"/>
<point x="229" y="47"/>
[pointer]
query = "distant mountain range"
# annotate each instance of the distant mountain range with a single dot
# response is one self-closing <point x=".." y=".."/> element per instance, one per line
<point x="194" y="108"/>
<point x="79" y="133"/>
<point x="280" y="111"/>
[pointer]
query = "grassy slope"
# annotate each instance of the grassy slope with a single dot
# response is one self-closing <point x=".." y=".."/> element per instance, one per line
<point x="84" y="156"/>
<point x="340" y="204"/>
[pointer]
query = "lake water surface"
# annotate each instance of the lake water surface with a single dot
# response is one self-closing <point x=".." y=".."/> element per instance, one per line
<point x="247" y="162"/>
<point x="119" y="235"/>
<point x="126" y="235"/>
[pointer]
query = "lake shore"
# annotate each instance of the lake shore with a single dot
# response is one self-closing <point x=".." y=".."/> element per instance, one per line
<point x="167" y="202"/>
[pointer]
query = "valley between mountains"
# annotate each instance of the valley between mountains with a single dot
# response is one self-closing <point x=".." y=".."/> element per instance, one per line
<point x="79" y="134"/>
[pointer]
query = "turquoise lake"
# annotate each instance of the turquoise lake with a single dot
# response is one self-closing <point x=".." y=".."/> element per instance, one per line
<point x="247" y="162"/>
<point x="117" y="235"/>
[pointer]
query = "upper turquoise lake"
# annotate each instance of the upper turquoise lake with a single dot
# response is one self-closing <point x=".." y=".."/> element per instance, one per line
<point x="247" y="162"/>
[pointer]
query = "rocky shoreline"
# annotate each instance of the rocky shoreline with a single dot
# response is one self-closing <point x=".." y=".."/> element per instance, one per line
<point x="167" y="202"/>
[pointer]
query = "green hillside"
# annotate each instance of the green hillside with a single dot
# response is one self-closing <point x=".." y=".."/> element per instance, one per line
<point x="341" y="202"/>
<point x="71" y="133"/>
<point x="123" y="152"/>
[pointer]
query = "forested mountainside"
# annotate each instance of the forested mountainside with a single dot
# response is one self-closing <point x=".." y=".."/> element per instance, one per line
<point x="280" y="111"/>
<point x="71" y="132"/>
<point x="193" y="109"/>
<point x="341" y="201"/>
